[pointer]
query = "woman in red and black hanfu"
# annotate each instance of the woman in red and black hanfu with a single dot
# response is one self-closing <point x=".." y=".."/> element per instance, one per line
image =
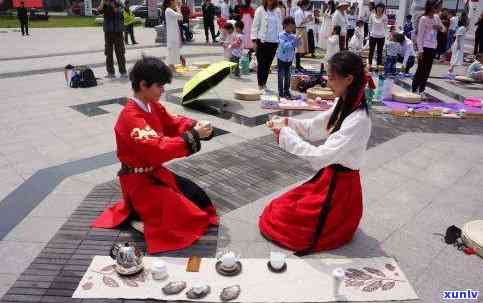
<point x="324" y="212"/>
<point x="174" y="210"/>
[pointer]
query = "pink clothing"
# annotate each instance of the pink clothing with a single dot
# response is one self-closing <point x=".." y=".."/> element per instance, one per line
<point x="427" y="35"/>
<point x="247" y="20"/>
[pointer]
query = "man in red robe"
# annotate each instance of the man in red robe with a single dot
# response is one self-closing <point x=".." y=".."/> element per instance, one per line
<point x="174" y="210"/>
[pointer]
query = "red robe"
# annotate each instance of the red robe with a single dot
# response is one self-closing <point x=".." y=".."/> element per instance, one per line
<point x="149" y="139"/>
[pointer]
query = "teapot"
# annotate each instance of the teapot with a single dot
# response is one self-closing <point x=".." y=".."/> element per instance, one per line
<point x="129" y="259"/>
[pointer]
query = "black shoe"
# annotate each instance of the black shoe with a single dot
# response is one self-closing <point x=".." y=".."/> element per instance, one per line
<point x="135" y="43"/>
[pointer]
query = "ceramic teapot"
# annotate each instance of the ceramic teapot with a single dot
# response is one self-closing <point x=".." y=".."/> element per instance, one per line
<point x="129" y="259"/>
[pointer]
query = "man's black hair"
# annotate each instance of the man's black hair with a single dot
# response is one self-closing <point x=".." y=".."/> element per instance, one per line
<point x="151" y="70"/>
<point x="239" y="25"/>
<point x="288" y="20"/>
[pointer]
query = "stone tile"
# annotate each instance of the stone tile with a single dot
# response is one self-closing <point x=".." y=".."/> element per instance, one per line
<point x="16" y="256"/>
<point x="35" y="229"/>
<point x="58" y="205"/>
<point x="236" y="231"/>
<point x="6" y="281"/>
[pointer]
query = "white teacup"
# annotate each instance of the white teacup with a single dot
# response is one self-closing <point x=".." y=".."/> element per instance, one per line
<point x="228" y="260"/>
<point x="159" y="270"/>
<point x="278" y="122"/>
<point x="277" y="259"/>
<point x="205" y="123"/>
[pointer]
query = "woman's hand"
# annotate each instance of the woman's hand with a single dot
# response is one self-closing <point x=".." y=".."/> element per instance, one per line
<point x="203" y="131"/>
<point x="420" y="56"/>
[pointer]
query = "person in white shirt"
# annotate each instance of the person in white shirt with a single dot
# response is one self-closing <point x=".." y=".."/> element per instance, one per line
<point x="457" y="51"/>
<point x="407" y="56"/>
<point x="302" y="20"/>
<point x="377" y="33"/>
<point x="291" y="9"/>
<point x="225" y="9"/>
<point x="293" y="220"/>
<point x="351" y="22"/>
<point x="333" y="45"/>
<point x="356" y="43"/>
<point x="267" y="24"/>
<point x="340" y="19"/>
<point x="173" y="38"/>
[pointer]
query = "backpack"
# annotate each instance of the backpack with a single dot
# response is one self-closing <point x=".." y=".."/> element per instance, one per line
<point x="83" y="77"/>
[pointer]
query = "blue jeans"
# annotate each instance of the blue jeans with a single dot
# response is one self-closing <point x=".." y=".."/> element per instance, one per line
<point x="284" y="78"/>
<point x="390" y="65"/>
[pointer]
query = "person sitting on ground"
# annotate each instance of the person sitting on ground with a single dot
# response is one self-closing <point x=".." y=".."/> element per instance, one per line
<point x="475" y="70"/>
<point x="324" y="212"/>
<point x="175" y="211"/>
<point x="407" y="56"/>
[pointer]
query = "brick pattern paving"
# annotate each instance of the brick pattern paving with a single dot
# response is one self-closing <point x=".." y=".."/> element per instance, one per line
<point x="233" y="176"/>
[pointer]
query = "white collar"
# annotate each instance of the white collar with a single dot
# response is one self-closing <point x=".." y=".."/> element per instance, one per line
<point x="145" y="107"/>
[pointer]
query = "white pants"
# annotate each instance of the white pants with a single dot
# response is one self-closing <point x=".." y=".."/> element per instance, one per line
<point x="173" y="56"/>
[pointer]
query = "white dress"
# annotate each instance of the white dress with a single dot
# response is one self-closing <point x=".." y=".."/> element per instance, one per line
<point x="333" y="47"/>
<point x="457" y="54"/>
<point x="325" y="30"/>
<point x="173" y="36"/>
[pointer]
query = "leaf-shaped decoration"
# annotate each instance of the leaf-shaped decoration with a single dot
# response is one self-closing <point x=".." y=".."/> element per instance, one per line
<point x="129" y="282"/>
<point x="87" y="285"/>
<point x="108" y="268"/>
<point x="390" y="267"/>
<point x="354" y="283"/>
<point x="372" y="286"/>
<point x="142" y="276"/>
<point x="374" y="271"/>
<point x="388" y="285"/>
<point x="353" y="273"/>
<point x="109" y="281"/>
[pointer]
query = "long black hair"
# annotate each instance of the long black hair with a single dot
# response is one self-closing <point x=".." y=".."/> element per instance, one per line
<point x="430" y="5"/>
<point x="343" y="64"/>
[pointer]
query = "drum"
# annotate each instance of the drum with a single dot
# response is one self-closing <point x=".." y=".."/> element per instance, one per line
<point x="248" y="94"/>
<point x="322" y="92"/>
<point x="304" y="46"/>
<point x="406" y="97"/>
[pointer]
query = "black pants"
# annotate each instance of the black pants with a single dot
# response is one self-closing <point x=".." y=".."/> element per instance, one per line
<point x="114" y="42"/>
<point x="193" y="192"/>
<point x="409" y="64"/>
<point x="350" y="33"/>
<point x="211" y="27"/>
<point x="237" y="61"/>
<point x="297" y="60"/>
<point x="265" y="54"/>
<point x="311" y="41"/>
<point x="129" y="31"/>
<point x="478" y="43"/>
<point x="424" y="70"/>
<point x="283" y="78"/>
<point x="366" y="29"/>
<point x="373" y="42"/>
<point x="24" y="26"/>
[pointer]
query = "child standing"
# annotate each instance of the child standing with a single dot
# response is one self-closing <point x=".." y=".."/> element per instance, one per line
<point x="393" y="49"/>
<point x="357" y="41"/>
<point x="457" y="50"/>
<point x="333" y="43"/>
<point x="228" y="36"/>
<point x="236" y="46"/>
<point x="285" y="54"/>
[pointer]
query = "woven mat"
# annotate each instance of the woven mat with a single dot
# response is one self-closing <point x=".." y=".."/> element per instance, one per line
<point x="305" y="280"/>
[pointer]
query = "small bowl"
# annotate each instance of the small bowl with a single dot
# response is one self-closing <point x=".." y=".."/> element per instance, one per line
<point x="235" y="270"/>
<point x="277" y="271"/>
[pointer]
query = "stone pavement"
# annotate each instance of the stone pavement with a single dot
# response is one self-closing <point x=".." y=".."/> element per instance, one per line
<point x="57" y="172"/>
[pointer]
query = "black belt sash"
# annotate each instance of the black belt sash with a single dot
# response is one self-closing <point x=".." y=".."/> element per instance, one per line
<point x="325" y="209"/>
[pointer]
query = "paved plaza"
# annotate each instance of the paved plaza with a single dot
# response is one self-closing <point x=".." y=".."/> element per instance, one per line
<point x="58" y="171"/>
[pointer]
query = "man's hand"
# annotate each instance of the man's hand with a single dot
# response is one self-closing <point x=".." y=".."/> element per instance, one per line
<point x="203" y="131"/>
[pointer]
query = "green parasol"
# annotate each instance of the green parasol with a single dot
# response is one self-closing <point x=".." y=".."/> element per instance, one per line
<point x="205" y="80"/>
